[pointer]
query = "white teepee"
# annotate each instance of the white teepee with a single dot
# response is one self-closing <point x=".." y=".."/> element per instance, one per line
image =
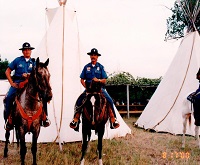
<point x="164" y="111"/>
<point x="61" y="46"/>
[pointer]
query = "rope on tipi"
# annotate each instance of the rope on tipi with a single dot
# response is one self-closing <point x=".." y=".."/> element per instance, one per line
<point x="192" y="17"/>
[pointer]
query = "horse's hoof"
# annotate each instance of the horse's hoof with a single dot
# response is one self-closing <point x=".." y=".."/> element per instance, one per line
<point x="183" y="146"/>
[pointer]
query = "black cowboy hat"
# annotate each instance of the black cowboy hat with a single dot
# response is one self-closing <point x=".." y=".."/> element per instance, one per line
<point x="94" y="51"/>
<point x="26" y="45"/>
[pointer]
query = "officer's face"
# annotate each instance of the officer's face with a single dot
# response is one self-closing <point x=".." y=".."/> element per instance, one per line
<point x="93" y="58"/>
<point x="27" y="53"/>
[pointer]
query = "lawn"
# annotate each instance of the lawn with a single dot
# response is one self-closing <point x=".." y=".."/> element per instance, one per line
<point x="139" y="148"/>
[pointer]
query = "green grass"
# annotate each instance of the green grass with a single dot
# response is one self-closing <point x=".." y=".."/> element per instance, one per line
<point x="139" y="148"/>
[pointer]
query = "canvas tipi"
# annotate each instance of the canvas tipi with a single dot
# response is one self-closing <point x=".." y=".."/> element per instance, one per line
<point x="164" y="110"/>
<point x="61" y="46"/>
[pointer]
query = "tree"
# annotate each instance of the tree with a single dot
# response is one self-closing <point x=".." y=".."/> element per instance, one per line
<point x="147" y="82"/>
<point x="182" y="19"/>
<point x="3" y="67"/>
<point x="140" y="89"/>
<point x="120" y="78"/>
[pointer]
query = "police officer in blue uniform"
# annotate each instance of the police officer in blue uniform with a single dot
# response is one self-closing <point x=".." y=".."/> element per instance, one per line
<point x="93" y="71"/>
<point x="22" y="67"/>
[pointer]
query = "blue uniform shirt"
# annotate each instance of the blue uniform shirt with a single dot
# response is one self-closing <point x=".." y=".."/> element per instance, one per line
<point x="20" y="65"/>
<point x="197" y="92"/>
<point x="89" y="72"/>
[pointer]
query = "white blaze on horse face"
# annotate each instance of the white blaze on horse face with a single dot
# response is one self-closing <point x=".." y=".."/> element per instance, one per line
<point x="92" y="100"/>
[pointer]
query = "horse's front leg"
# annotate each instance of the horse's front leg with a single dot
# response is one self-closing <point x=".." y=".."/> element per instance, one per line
<point x="34" y="145"/>
<point x="7" y="135"/>
<point x="86" y="134"/>
<point x="17" y="136"/>
<point x="197" y="135"/>
<point x="23" y="148"/>
<point x="100" y="140"/>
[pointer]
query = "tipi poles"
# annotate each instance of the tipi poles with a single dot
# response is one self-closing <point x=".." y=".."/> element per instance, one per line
<point x="62" y="97"/>
<point x="63" y="50"/>
<point x="192" y="15"/>
<point x="58" y="132"/>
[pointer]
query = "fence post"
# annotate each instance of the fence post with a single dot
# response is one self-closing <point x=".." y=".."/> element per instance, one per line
<point x="127" y="95"/>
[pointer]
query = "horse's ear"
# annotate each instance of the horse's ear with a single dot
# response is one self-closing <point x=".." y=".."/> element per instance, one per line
<point x="37" y="61"/>
<point x="47" y="62"/>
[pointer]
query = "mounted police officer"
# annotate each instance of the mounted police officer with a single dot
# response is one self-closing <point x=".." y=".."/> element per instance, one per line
<point x="93" y="71"/>
<point x="196" y="103"/>
<point x="22" y="67"/>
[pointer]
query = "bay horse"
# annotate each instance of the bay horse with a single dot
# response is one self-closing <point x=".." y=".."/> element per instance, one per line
<point x="28" y="108"/>
<point x="189" y="105"/>
<point x="94" y="117"/>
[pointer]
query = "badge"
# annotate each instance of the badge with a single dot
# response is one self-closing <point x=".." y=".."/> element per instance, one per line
<point x="20" y="65"/>
<point x="31" y="65"/>
<point x="88" y="68"/>
<point x="98" y="68"/>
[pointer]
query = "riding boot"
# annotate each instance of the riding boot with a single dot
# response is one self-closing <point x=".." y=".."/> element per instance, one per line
<point x="9" y="123"/>
<point x="113" y="121"/>
<point x="45" y="120"/>
<point x="76" y="121"/>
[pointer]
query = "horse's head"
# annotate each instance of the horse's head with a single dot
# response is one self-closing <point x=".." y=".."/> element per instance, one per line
<point x="95" y="106"/>
<point x="95" y="87"/>
<point x="42" y="78"/>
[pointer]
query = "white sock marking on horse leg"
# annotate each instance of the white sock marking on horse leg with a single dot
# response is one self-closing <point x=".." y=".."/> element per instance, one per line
<point x="82" y="161"/>
<point x="100" y="162"/>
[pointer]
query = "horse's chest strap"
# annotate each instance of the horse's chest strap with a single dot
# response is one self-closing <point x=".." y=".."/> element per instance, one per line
<point x="30" y="119"/>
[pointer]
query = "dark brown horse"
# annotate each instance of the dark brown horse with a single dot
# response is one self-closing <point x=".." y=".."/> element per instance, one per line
<point x="28" y="108"/>
<point x="94" y="117"/>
